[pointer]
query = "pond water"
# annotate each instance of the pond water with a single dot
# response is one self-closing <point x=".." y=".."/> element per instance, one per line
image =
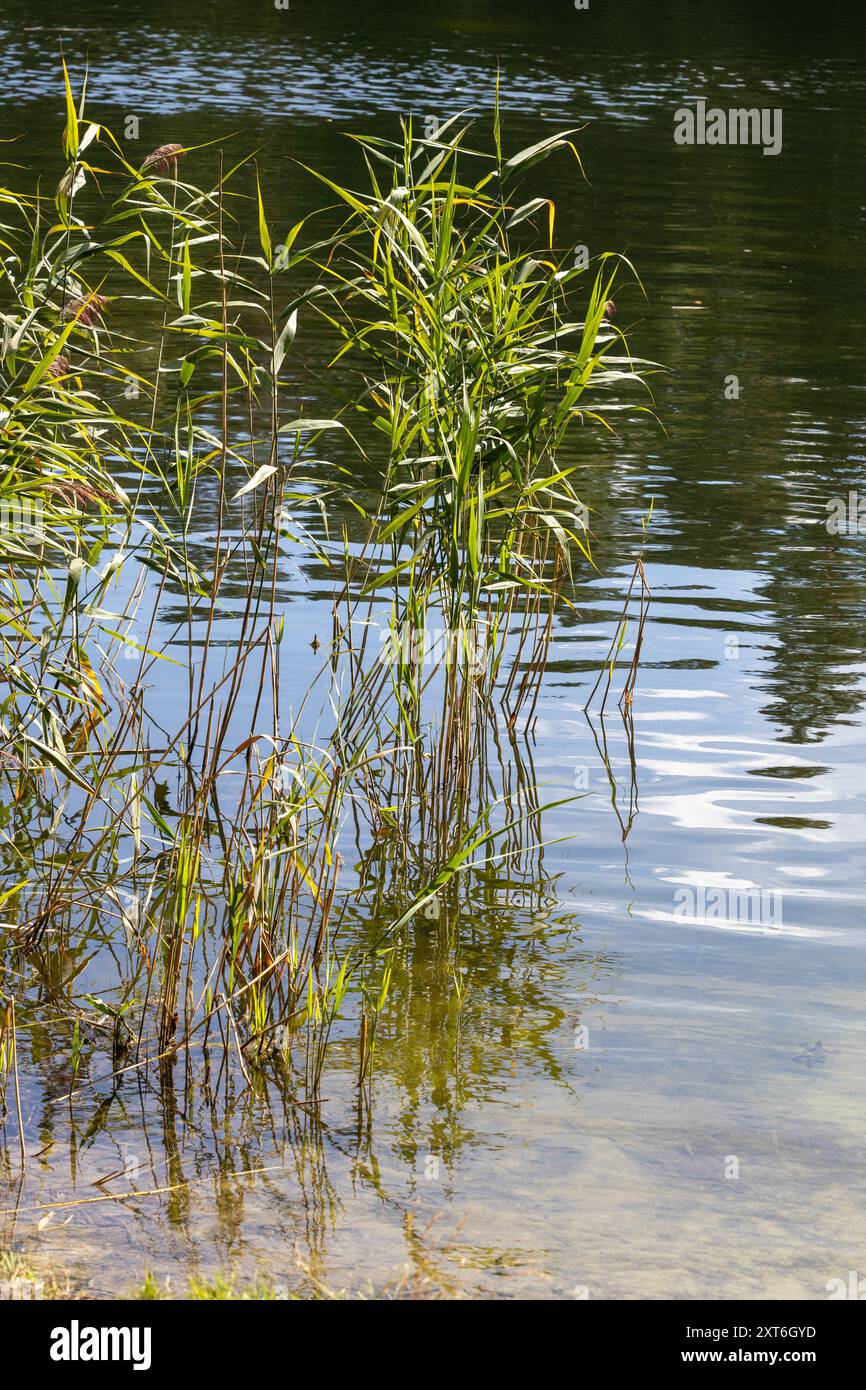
<point x="654" y="1083"/>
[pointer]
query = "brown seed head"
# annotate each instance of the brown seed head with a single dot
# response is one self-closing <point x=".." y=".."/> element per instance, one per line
<point x="76" y="493"/>
<point x="84" y="309"/>
<point x="164" y="159"/>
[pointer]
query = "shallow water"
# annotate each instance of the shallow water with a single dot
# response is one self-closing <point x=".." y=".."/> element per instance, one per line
<point x="640" y="1095"/>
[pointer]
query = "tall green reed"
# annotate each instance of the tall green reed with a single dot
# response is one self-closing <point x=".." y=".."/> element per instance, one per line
<point x="212" y="849"/>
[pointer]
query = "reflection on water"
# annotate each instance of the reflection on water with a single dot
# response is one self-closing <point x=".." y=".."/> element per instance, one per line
<point x="574" y="1053"/>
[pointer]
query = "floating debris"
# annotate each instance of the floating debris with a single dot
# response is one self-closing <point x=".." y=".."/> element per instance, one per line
<point x="813" y="1054"/>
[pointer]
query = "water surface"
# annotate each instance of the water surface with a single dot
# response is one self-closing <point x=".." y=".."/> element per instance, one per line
<point x="632" y="1100"/>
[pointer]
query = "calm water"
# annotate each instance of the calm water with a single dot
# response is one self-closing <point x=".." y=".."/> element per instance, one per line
<point x="621" y="1050"/>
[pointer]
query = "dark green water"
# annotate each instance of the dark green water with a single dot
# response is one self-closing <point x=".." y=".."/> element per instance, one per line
<point x="509" y="1152"/>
